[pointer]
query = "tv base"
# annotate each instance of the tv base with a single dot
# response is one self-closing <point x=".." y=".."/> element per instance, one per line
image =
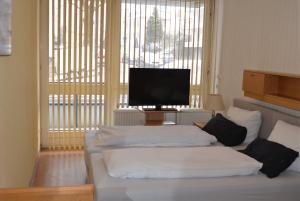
<point x="159" y="123"/>
<point x="160" y="109"/>
<point x="157" y="117"/>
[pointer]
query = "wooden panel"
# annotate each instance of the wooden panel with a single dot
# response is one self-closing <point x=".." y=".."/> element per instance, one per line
<point x="283" y="101"/>
<point x="275" y="73"/>
<point x="255" y="96"/>
<point x="253" y="82"/>
<point x="271" y="84"/>
<point x="289" y="87"/>
<point x="60" y="168"/>
<point x="275" y="88"/>
<point x="74" y="193"/>
<point x="154" y="118"/>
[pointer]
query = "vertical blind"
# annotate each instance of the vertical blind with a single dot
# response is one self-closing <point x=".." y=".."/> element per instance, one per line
<point x="76" y="70"/>
<point x="92" y="45"/>
<point x="162" y="34"/>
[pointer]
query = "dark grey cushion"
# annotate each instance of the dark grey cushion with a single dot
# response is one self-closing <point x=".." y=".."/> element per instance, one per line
<point x="226" y="131"/>
<point x="275" y="157"/>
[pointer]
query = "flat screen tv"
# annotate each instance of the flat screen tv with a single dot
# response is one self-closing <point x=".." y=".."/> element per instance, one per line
<point x="153" y="86"/>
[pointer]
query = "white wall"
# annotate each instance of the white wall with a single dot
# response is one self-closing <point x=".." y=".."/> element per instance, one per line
<point x="18" y="98"/>
<point x="260" y="35"/>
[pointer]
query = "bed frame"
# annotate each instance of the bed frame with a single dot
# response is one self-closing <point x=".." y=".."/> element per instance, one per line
<point x="269" y="116"/>
<point x="248" y="188"/>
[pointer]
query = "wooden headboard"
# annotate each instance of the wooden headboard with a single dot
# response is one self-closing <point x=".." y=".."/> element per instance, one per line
<point x="269" y="116"/>
<point x="275" y="88"/>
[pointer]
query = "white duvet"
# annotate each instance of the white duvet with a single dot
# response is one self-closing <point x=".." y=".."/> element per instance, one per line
<point x="147" y="136"/>
<point x="178" y="162"/>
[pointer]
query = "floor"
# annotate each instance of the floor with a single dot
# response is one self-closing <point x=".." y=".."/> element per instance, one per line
<point x="60" y="168"/>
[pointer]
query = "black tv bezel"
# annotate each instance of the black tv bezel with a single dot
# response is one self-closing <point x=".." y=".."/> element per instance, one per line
<point x="158" y="106"/>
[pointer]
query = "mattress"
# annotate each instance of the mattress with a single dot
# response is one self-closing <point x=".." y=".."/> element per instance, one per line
<point x="256" y="187"/>
<point x="91" y="145"/>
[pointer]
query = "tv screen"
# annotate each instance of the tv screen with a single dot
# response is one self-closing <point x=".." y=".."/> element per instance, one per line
<point x="149" y="86"/>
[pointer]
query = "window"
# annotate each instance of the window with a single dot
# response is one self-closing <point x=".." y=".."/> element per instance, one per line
<point x="76" y="69"/>
<point x="162" y="34"/>
<point x="91" y="44"/>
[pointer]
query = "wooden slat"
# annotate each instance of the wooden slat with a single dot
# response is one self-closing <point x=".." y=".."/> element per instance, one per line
<point x="80" y="61"/>
<point x="189" y="34"/>
<point x="145" y="35"/>
<point x="140" y="34"/>
<point x="68" y="140"/>
<point x="51" y="138"/>
<point x="85" y="62"/>
<point x="174" y="60"/>
<point x="129" y="47"/>
<point x="96" y="61"/>
<point x="165" y="32"/>
<point x="193" y="55"/>
<point x="134" y="33"/>
<point x="91" y="66"/>
<point x="71" y="193"/>
<point x="197" y="59"/>
<point x="102" y="25"/>
<point x="159" y="42"/>
<point x="183" y="42"/>
<point x="169" y="42"/>
<point x="179" y="32"/>
<point x="75" y="64"/>
<point x="108" y="60"/>
<point x="155" y="32"/>
<point x="64" y="67"/>
<point x="118" y="59"/>
<point x="58" y="65"/>
<point x="125" y="45"/>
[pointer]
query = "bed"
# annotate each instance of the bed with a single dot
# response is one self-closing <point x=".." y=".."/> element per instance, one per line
<point x="254" y="187"/>
<point x="257" y="187"/>
<point x="125" y="136"/>
<point x="92" y="143"/>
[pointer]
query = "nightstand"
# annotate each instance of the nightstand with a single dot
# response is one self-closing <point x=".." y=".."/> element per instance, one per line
<point x="200" y="124"/>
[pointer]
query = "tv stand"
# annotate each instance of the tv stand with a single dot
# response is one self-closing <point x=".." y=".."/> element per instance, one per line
<point x="157" y="117"/>
<point x="158" y="107"/>
<point x="160" y="110"/>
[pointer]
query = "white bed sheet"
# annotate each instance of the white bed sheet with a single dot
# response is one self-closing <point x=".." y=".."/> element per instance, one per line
<point x="154" y="136"/>
<point x="246" y="188"/>
<point x="91" y="145"/>
<point x="179" y="162"/>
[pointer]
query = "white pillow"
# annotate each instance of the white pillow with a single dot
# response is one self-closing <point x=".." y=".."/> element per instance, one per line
<point x="289" y="136"/>
<point x="150" y="136"/>
<point x="249" y="119"/>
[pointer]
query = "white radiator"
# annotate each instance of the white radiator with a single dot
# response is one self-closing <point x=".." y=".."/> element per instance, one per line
<point x="189" y="116"/>
<point x="128" y="117"/>
<point x="131" y="117"/>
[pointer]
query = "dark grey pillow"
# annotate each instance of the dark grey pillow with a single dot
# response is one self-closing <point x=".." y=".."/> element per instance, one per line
<point x="275" y="157"/>
<point x="226" y="131"/>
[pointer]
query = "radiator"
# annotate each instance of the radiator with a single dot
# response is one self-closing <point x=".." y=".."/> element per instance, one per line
<point x="128" y="117"/>
<point x="189" y="116"/>
<point x="131" y="117"/>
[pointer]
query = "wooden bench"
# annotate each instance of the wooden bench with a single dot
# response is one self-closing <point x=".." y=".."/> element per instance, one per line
<point x="70" y="193"/>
